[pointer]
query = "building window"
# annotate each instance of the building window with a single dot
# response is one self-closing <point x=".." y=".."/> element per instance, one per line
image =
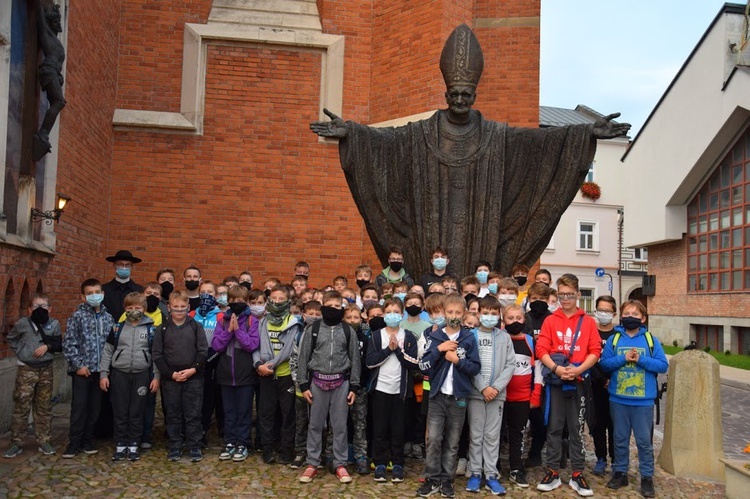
<point x="743" y="340"/>
<point x="590" y="174"/>
<point x="588" y="235"/>
<point x="586" y="301"/>
<point x="640" y="254"/>
<point x="709" y="336"/>
<point x="719" y="226"/>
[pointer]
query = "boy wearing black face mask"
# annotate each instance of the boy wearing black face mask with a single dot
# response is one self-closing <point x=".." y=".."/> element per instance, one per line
<point x="524" y="391"/>
<point x="192" y="277"/>
<point x="394" y="272"/>
<point x="277" y="332"/>
<point x="156" y="309"/>
<point x="34" y="339"/>
<point x="328" y="374"/>
<point x="520" y="273"/>
<point x="235" y="339"/>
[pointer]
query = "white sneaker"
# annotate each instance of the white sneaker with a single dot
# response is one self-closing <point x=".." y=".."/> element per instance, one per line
<point x="461" y="468"/>
<point x="551" y="481"/>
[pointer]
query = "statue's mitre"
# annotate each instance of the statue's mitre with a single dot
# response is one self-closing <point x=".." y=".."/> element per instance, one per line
<point x="462" y="61"/>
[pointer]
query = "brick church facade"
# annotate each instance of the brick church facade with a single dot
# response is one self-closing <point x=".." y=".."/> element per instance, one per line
<point x="185" y="136"/>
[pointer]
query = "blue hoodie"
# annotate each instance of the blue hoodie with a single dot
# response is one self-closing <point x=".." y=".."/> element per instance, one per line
<point x="633" y="383"/>
<point x="434" y="365"/>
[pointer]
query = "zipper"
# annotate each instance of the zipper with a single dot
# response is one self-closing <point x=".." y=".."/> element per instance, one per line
<point x="330" y="359"/>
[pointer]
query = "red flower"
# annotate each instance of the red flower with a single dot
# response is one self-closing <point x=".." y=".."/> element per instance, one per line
<point x="591" y="190"/>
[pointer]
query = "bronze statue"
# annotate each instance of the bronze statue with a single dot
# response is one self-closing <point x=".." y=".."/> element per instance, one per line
<point x="480" y="189"/>
<point x="49" y="24"/>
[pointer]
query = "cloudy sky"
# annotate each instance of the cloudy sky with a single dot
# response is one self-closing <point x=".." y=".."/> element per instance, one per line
<point x="617" y="56"/>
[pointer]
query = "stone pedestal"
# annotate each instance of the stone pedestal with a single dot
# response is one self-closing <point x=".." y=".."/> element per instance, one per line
<point x="692" y="446"/>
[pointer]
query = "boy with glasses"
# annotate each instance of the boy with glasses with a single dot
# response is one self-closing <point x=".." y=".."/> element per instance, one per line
<point x="568" y="345"/>
<point x="394" y="272"/>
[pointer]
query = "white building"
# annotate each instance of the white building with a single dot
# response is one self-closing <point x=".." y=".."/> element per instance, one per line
<point x="589" y="235"/>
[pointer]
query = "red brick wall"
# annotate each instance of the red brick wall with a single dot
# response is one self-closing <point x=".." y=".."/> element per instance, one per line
<point x="668" y="262"/>
<point x="258" y="191"/>
<point x="83" y="171"/>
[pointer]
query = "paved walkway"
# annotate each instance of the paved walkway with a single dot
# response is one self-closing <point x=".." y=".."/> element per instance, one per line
<point x="33" y="474"/>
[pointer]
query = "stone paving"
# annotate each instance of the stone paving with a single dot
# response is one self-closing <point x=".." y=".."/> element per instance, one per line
<point x="33" y="475"/>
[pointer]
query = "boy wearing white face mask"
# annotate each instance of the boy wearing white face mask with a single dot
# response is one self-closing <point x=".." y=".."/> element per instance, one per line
<point x="482" y="273"/>
<point x="606" y="311"/>
<point x="507" y="292"/>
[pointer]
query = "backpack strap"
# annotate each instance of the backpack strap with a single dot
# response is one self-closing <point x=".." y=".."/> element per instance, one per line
<point x="649" y="341"/>
<point x="316" y="331"/>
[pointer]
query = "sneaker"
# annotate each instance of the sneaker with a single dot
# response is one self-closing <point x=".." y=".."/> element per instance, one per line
<point x="298" y="461"/>
<point x="120" y="453"/>
<point x="600" y="468"/>
<point x="397" y="473"/>
<point x="362" y="467"/>
<point x="343" y="475"/>
<point x="195" y="455"/>
<point x="268" y="456"/>
<point x="146" y="445"/>
<point x="240" y="454"/>
<point x="467" y="473"/>
<point x="416" y="451"/>
<point x="428" y="488"/>
<point x="16" y="450"/>
<point x="493" y="485"/>
<point x="461" y="467"/>
<point x="580" y="485"/>
<point x="380" y="473"/>
<point x="227" y="452"/>
<point x="474" y="483"/>
<point x="519" y="478"/>
<point x="618" y="480"/>
<point x="174" y="455"/>
<point x="70" y="451"/>
<point x="47" y="449"/>
<point x="533" y="461"/>
<point x="285" y="458"/>
<point x="446" y="490"/>
<point x="89" y="449"/>
<point x="647" y="487"/>
<point x="308" y="475"/>
<point x="550" y="481"/>
<point x="133" y="452"/>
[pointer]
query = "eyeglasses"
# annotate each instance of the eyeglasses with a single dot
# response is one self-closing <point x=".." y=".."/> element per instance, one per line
<point x="567" y="296"/>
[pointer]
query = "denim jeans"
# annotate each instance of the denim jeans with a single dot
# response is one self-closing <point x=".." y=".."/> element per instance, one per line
<point x="445" y="420"/>
<point x="638" y="419"/>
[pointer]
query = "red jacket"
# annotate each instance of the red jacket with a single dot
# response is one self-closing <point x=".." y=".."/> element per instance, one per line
<point x="557" y="335"/>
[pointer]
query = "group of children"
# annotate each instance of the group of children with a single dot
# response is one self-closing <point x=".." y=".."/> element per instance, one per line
<point x="400" y="363"/>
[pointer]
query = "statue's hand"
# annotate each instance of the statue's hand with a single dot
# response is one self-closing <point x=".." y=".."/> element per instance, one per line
<point x="605" y="129"/>
<point x="334" y="128"/>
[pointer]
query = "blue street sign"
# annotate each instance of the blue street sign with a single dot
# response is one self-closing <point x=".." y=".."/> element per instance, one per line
<point x="599" y="272"/>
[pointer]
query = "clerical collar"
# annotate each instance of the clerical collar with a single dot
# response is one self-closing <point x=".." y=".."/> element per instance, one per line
<point x="122" y="281"/>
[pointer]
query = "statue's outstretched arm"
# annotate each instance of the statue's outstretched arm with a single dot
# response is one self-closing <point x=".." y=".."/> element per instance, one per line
<point x="605" y="129"/>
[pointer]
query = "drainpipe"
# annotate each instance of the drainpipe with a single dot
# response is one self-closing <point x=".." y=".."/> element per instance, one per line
<point x="620" y="223"/>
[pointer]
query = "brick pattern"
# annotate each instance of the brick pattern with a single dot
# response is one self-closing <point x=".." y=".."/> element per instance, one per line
<point x="83" y="170"/>
<point x="668" y="262"/>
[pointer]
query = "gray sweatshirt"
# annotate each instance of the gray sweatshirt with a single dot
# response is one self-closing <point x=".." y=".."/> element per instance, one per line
<point x="503" y="364"/>
<point x="132" y="354"/>
<point x="331" y="355"/>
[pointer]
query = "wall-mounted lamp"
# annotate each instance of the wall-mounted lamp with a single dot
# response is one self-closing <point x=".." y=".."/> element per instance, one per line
<point x="49" y="216"/>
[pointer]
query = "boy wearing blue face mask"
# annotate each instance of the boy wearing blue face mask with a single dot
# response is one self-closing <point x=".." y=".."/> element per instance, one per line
<point x="83" y="344"/>
<point x="439" y="270"/>
<point x="482" y="273"/>
<point x="498" y="361"/>
<point x="391" y="356"/>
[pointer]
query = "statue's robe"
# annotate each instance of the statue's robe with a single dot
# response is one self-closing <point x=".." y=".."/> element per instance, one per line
<point x="494" y="193"/>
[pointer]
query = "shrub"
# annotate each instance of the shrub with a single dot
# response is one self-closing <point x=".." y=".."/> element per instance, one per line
<point x="674" y="343"/>
<point x="727" y="352"/>
<point x="707" y="349"/>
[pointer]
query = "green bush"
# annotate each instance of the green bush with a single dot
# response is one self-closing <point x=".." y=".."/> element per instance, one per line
<point x="674" y="343"/>
<point x="707" y="349"/>
<point x="727" y="352"/>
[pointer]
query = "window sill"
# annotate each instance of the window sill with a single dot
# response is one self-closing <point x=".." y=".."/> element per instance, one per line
<point x="587" y="252"/>
<point x="14" y="240"/>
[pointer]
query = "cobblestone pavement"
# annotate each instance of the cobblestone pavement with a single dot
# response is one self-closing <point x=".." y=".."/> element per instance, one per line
<point x="32" y="474"/>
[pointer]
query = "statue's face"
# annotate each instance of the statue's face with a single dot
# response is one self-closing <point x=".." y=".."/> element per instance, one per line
<point x="460" y="99"/>
<point x="54" y="19"/>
